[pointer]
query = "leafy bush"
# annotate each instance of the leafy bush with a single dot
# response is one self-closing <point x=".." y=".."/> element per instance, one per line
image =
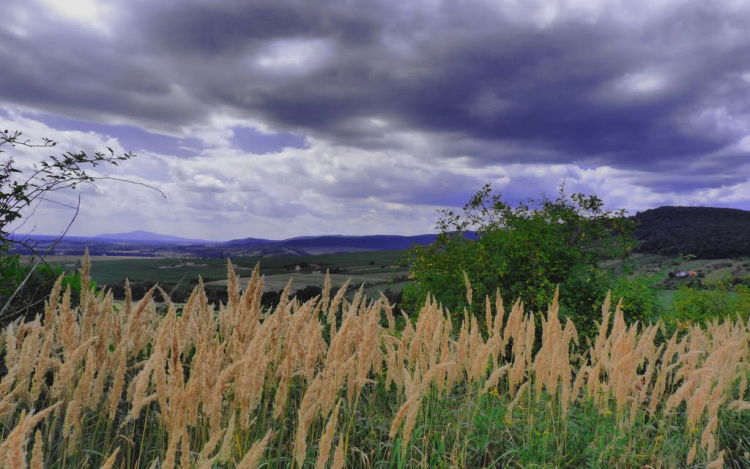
<point x="524" y="251"/>
<point x="30" y="298"/>
<point x="717" y="301"/>
<point x="640" y="299"/>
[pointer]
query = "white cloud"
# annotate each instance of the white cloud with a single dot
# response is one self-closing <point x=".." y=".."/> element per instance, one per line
<point x="93" y="13"/>
<point x="297" y="56"/>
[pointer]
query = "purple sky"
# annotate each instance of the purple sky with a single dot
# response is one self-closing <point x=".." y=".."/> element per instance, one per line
<point x="282" y="118"/>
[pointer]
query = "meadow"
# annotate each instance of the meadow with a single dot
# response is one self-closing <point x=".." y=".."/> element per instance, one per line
<point x="338" y="383"/>
<point x="378" y="269"/>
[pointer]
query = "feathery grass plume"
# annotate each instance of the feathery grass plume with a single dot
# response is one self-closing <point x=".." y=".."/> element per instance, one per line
<point x="692" y="453"/>
<point x="51" y="304"/>
<point x="110" y="462"/>
<point x="185" y="454"/>
<point x="717" y="463"/>
<point x="68" y="332"/>
<point x="390" y="343"/>
<point x="28" y="358"/>
<point x="37" y="454"/>
<point x="305" y="418"/>
<point x="205" y="461"/>
<point x="530" y="337"/>
<point x="601" y="338"/>
<point x="388" y="312"/>
<point x="339" y="456"/>
<point x="212" y="406"/>
<point x="324" y="446"/>
<point x="499" y="316"/>
<point x="474" y="342"/>
<point x="623" y="379"/>
<point x="436" y="374"/>
<point x="517" y="398"/>
<point x="479" y="367"/>
<point x="79" y="402"/>
<point x="644" y="383"/>
<point x="494" y="378"/>
<point x="697" y="403"/>
<point x="170" y="457"/>
<point x="326" y="293"/>
<point x="139" y="399"/>
<point x="63" y="385"/>
<point x="678" y="396"/>
<point x="519" y="367"/>
<point x="469" y="291"/>
<point x="334" y="307"/>
<point x="13" y="449"/>
<point x="7" y="405"/>
<point x="411" y="420"/>
<point x="707" y="435"/>
<point x="252" y="458"/>
<point x="402" y="413"/>
<point x="115" y="392"/>
<point x="282" y="389"/>
<point x="357" y="301"/>
<point x="488" y="316"/>
<point x="251" y="380"/>
<point x="227" y="444"/>
<point x="739" y="405"/>
<point x="11" y="349"/>
<point x="85" y="276"/>
<point x="232" y="376"/>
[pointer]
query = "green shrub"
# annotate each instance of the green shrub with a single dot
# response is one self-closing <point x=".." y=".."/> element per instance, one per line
<point x="524" y="251"/>
<point x="715" y="301"/>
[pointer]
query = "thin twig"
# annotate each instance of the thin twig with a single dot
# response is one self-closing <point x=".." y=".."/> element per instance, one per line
<point x="133" y="182"/>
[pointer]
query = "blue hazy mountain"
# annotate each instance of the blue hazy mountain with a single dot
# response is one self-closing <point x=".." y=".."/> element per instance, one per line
<point x="147" y="237"/>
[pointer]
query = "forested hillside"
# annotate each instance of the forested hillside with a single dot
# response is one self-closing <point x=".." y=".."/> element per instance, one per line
<point x="706" y="232"/>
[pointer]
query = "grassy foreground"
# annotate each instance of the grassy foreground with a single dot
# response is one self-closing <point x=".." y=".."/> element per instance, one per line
<point x="332" y="383"/>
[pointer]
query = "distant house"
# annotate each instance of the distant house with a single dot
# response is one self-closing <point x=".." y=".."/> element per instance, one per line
<point x="297" y="269"/>
<point x="692" y="272"/>
<point x="682" y="274"/>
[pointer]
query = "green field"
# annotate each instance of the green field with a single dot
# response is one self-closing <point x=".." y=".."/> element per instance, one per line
<point x="375" y="269"/>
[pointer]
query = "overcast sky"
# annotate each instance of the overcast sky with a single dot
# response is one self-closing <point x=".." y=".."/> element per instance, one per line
<point x="284" y="118"/>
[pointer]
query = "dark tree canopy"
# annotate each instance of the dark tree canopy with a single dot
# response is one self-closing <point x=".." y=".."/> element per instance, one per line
<point x="705" y="232"/>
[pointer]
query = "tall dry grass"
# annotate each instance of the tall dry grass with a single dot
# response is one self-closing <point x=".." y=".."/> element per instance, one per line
<point x="335" y="383"/>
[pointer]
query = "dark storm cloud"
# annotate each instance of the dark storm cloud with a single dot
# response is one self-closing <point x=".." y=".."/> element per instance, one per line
<point x="663" y="88"/>
<point x="474" y="72"/>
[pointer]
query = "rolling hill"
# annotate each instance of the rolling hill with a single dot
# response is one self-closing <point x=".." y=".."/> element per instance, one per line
<point x="705" y="232"/>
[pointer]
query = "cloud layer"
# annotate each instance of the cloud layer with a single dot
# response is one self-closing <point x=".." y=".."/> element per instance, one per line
<point x="282" y="118"/>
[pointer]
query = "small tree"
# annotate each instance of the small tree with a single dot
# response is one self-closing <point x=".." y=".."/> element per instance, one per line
<point x="524" y="251"/>
<point x="23" y="288"/>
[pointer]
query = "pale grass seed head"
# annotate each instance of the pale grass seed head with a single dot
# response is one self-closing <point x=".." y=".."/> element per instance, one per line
<point x="469" y="291"/>
<point x="324" y="446"/>
<point x="339" y="457"/>
<point x="37" y="455"/>
<point x="252" y="458"/>
<point x="110" y="462"/>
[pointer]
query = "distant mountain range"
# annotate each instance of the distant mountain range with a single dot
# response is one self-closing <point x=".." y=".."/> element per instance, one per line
<point x="702" y="231"/>
<point x="147" y="237"/>
<point x="157" y="245"/>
